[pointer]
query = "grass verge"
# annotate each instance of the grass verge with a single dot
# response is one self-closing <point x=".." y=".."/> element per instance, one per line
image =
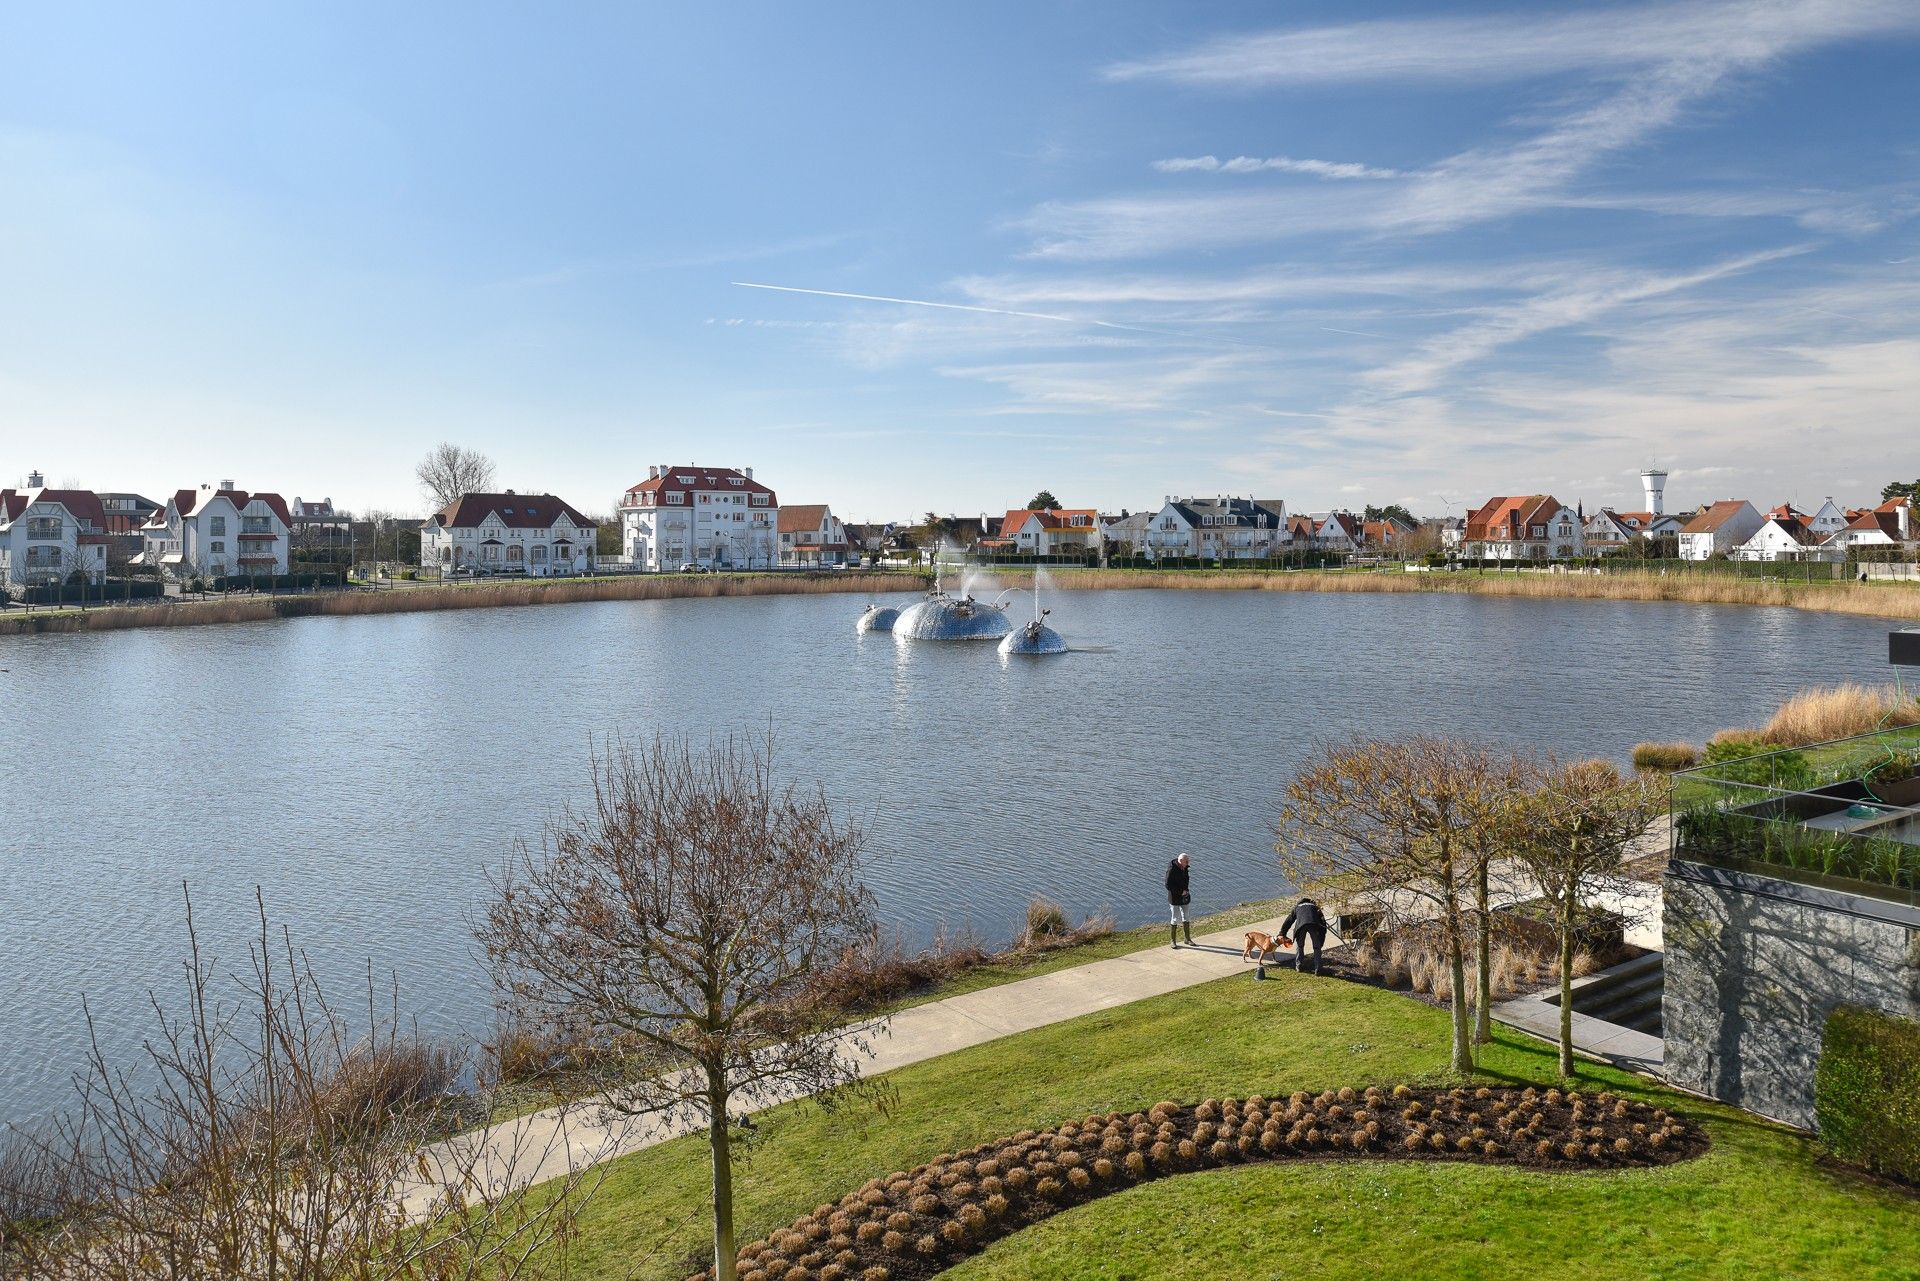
<point x="1759" y="1201"/>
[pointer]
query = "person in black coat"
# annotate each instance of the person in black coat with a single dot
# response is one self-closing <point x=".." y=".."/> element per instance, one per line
<point x="1178" y="896"/>
<point x="1305" y="921"/>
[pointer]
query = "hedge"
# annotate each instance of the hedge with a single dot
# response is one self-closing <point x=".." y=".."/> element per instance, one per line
<point x="1866" y="1091"/>
<point x="112" y="592"/>
<point x="274" y="582"/>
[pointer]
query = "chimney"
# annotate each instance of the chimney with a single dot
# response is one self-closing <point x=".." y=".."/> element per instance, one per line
<point x="747" y="472"/>
<point x="226" y="484"/>
<point x="653" y="473"/>
<point x="35" y="480"/>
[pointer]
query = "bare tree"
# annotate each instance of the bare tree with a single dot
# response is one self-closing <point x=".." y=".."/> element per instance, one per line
<point x="451" y="472"/>
<point x="1573" y="833"/>
<point x="1506" y="778"/>
<point x="1397" y="823"/>
<point x="682" y="925"/>
<point x="266" y="1135"/>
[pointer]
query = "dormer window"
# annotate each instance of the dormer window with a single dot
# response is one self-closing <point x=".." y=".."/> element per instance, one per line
<point x="676" y="498"/>
<point x="686" y="480"/>
<point x="735" y="480"/>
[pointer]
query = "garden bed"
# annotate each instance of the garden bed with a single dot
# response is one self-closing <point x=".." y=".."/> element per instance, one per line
<point x="919" y="1222"/>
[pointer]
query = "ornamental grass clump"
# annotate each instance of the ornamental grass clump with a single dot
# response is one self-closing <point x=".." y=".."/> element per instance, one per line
<point x="955" y="1206"/>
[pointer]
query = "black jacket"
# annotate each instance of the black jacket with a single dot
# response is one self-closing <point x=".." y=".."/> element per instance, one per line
<point x="1304" y="919"/>
<point x="1177" y="883"/>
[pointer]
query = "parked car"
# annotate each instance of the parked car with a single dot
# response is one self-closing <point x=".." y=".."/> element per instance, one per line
<point x="693" y="567"/>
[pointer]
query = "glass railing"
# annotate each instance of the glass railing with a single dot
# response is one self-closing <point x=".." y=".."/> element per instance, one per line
<point x="1843" y="814"/>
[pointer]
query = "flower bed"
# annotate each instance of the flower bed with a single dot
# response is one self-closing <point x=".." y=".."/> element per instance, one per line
<point x="918" y="1222"/>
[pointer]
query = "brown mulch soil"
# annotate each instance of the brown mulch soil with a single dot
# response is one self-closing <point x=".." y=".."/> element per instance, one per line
<point x="916" y="1223"/>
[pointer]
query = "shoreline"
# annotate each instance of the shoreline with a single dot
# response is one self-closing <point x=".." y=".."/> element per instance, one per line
<point x="1890" y="600"/>
<point x="497" y="595"/>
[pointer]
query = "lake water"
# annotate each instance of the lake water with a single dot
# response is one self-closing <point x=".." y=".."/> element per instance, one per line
<point x="366" y="773"/>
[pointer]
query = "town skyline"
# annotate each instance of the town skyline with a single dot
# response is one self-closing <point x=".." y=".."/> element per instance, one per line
<point x="1407" y="256"/>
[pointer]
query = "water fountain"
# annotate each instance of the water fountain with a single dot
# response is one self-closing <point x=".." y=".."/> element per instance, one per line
<point x="945" y="617"/>
<point x="877" y="618"/>
<point x="1036" y="637"/>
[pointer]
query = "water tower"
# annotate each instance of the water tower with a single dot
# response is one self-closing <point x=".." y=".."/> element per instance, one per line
<point x="1654" y="482"/>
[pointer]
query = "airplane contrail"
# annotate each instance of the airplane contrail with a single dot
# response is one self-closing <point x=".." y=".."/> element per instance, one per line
<point x="1001" y="311"/>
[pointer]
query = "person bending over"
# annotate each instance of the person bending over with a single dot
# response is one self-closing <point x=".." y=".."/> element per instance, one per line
<point x="1304" y="922"/>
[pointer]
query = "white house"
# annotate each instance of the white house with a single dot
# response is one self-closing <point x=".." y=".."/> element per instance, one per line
<point x="1219" y="528"/>
<point x="218" y="531"/>
<point x="1057" y="531"/>
<point x="1786" y="535"/>
<point x="1826" y="522"/>
<point x="1525" y="527"/>
<point x="1719" y="527"/>
<point x="508" y="533"/>
<point x="1888" y="525"/>
<point x="713" y="517"/>
<point x="1605" y="530"/>
<point x="48" y="535"/>
<point x="1338" y="531"/>
<point x="810" y="534"/>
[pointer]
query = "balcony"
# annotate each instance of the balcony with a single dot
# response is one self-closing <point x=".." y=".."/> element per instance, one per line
<point x="1843" y="815"/>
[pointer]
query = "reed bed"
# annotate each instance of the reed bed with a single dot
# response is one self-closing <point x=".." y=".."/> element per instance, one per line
<point x="1820" y="715"/>
<point x="249" y="609"/>
<point x="1870" y="599"/>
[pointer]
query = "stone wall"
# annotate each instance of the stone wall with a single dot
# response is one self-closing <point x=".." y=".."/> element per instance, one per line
<point x="1754" y="964"/>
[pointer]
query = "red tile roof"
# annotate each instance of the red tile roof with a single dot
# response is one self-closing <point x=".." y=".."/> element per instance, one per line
<point x="802" y="517"/>
<point x="701" y="479"/>
<point x="82" y="504"/>
<point x="1713" y="516"/>
<point x="516" y="511"/>
<point x="1510" y="517"/>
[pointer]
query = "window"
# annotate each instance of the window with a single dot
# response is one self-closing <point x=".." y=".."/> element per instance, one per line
<point x="759" y="500"/>
<point x="735" y="480"/>
<point x="218" y="546"/>
<point x="1539" y="531"/>
<point x="44" y="528"/>
<point x="686" y="480"/>
<point x="676" y="498"/>
<point x="218" y="526"/>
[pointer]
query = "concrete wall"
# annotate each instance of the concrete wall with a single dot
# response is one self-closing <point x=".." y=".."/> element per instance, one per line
<point x="1754" y="965"/>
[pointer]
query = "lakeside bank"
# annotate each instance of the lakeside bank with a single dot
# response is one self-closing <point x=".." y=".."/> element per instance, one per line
<point x="1891" y="600"/>
<point x="492" y="595"/>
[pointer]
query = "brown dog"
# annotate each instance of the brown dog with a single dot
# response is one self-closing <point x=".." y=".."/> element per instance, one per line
<point x="1265" y="944"/>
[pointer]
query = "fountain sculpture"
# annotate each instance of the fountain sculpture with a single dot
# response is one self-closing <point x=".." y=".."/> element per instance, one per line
<point x="877" y="618"/>
<point x="1036" y="637"/>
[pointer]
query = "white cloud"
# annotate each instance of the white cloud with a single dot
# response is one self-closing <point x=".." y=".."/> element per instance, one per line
<point x="1336" y="169"/>
<point x="1523" y="46"/>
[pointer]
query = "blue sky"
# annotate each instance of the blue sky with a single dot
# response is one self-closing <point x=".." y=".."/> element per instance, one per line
<point x="1333" y="252"/>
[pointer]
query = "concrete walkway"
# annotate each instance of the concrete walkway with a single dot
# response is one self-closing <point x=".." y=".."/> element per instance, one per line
<point x="559" y="1141"/>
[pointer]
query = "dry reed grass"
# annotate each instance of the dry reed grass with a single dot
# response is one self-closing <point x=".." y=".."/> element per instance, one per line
<point x="252" y="609"/>
<point x="1412" y="958"/>
<point x="1873" y="600"/>
<point x="1818" y="715"/>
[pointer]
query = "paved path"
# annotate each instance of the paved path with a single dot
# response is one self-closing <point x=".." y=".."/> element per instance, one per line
<point x="552" y="1143"/>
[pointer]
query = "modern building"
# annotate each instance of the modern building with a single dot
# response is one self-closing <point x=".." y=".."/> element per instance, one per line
<point x="49" y="535"/>
<point x="810" y="534"/>
<point x="712" y="517"/>
<point x="218" y="531"/>
<point x="537" y="535"/>
<point x="126" y="513"/>
<point x="318" y="529"/>
<point x="1527" y="527"/>
<point x="1718" y="528"/>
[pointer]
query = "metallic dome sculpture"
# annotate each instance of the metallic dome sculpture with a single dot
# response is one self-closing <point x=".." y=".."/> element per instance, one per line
<point x="949" y="618"/>
<point x="1034" y="638"/>
<point x="877" y="618"/>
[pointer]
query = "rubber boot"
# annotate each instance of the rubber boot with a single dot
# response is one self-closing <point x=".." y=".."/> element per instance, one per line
<point x="1173" y="935"/>
<point x="1188" y="931"/>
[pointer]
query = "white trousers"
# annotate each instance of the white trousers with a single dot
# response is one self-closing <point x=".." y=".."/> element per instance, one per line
<point x="1176" y="914"/>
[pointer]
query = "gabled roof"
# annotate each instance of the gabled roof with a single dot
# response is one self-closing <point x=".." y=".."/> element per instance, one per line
<point x="1715" y="515"/>
<point x="515" y="511"/>
<point x="798" y="517"/>
<point x="1794" y="526"/>
<point x="1883" y="520"/>
<point x="1060" y="518"/>
<point x="1498" y="517"/>
<point x="691" y="479"/>
<point x="81" y="504"/>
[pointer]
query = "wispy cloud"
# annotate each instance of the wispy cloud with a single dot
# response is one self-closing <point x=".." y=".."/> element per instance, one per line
<point x="1338" y="169"/>
<point x="1522" y="46"/>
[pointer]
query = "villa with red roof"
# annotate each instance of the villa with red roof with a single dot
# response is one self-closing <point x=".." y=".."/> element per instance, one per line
<point x="1525" y="527"/>
<point x="811" y="535"/>
<point x="1888" y="525"/>
<point x="48" y="535"/>
<point x="1058" y="532"/>
<point x="537" y="535"/>
<point x="1719" y="528"/>
<point x="711" y="517"/>
<point x="218" y="531"/>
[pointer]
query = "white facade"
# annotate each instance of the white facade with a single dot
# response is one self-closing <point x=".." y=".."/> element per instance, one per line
<point x="1785" y="538"/>
<point x="1220" y="528"/>
<point x="48" y="535"/>
<point x="536" y="535"/>
<point x="810" y="534"/>
<point x="712" y="517"/>
<point x="1529" y="527"/>
<point x="1720" y="527"/>
<point x="218" y="532"/>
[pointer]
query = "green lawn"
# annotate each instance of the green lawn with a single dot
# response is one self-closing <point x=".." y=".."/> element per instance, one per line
<point x="1755" y="1203"/>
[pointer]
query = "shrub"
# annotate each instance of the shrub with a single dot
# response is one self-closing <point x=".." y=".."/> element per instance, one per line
<point x="1664" y="758"/>
<point x="1866" y="1091"/>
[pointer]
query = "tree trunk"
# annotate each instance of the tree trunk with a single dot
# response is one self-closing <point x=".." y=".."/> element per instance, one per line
<point x="720" y="1141"/>
<point x="1567" y="904"/>
<point x="1457" y="963"/>
<point x="1483" y="954"/>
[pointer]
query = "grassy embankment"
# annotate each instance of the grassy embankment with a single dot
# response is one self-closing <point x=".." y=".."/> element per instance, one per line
<point x="488" y="595"/>
<point x="1758" y="1202"/>
<point x="1874" y="598"/>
